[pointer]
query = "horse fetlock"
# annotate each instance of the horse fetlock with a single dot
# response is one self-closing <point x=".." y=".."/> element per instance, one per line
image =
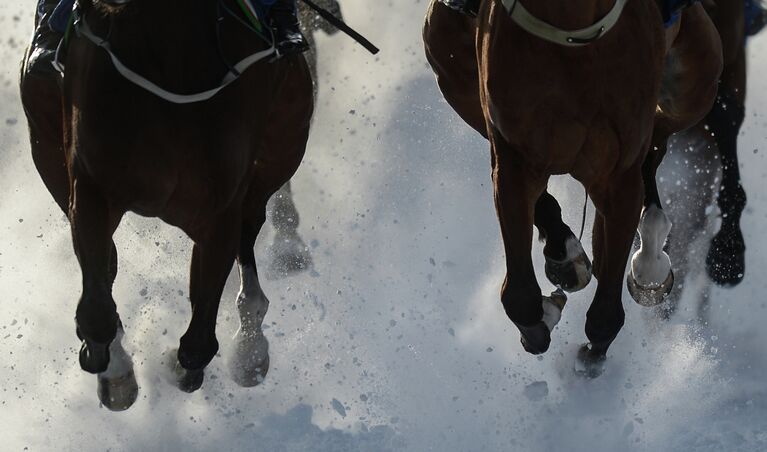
<point x="196" y="353"/>
<point x="602" y="329"/>
<point x="536" y="338"/>
<point x="731" y="202"/>
<point x="94" y="356"/>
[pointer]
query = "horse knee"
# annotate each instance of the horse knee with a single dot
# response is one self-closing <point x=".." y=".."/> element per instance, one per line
<point x="197" y="350"/>
<point x="602" y="326"/>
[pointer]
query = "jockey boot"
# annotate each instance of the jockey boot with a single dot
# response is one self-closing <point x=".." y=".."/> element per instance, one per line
<point x="288" y="38"/>
<point x="45" y="41"/>
<point x="756" y="17"/>
<point x="467" y="7"/>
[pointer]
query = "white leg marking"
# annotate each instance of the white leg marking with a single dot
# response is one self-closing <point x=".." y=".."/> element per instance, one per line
<point x="651" y="265"/>
<point x="120" y="364"/>
<point x="251" y="349"/>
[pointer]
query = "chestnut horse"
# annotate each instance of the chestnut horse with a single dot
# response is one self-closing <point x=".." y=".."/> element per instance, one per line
<point x="591" y="103"/>
<point x="109" y="147"/>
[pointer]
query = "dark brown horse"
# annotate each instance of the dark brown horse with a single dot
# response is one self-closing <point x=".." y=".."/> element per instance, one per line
<point x="590" y="102"/>
<point x="109" y="147"/>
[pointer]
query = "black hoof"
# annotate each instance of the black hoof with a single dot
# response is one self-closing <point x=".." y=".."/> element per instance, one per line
<point x="726" y="259"/>
<point x="189" y="380"/>
<point x="535" y="339"/>
<point x="118" y="394"/>
<point x="590" y="362"/>
<point x="649" y="296"/>
<point x="94" y="357"/>
<point x="571" y="274"/>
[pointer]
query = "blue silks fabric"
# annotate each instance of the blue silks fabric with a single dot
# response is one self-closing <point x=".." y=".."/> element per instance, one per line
<point x="60" y="17"/>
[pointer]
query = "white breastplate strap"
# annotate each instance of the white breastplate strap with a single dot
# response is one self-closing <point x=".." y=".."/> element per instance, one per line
<point x="572" y="38"/>
<point x="169" y="96"/>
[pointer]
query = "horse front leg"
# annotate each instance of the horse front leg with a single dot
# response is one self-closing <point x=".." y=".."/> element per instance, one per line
<point x="619" y="201"/>
<point x="212" y="259"/>
<point x="725" y="262"/>
<point x="98" y="325"/>
<point x="517" y="189"/>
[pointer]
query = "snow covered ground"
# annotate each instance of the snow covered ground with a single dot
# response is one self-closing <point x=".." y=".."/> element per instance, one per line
<point x="398" y="341"/>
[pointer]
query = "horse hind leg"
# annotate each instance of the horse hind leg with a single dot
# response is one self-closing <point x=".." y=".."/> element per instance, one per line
<point x="288" y="254"/>
<point x="567" y="265"/>
<point x="725" y="262"/>
<point x="249" y="363"/>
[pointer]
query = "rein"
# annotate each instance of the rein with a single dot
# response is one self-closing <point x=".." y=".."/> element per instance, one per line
<point x="574" y="38"/>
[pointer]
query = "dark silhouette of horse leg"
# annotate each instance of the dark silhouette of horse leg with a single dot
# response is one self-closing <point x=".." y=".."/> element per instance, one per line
<point x="93" y="222"/>
<point x="517" y="189"/>
<point x="567" y="264"/>
<point x="41" y="99"/>
<point x="725" y="262"/>
<point x="212" y="259"/>
<point x="618" y="202"/>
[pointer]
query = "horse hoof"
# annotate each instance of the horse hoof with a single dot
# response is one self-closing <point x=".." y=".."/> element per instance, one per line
<point x="118" y="393"/>
<point x="572" y="273"/>
<point x="649" y="296"/>
<point x="288" y="255"/>
<point x="535" y="339"/>
<point x="250" y="363"/>
<point x="726" y="259"/>
<point x="589" y="363"/>
<point x="189" y="380"/>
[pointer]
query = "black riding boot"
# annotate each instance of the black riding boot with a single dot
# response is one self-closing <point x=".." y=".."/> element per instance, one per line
<point x="468" y="7"/>
<point x="287" y="30"/>
<point x="44" y="42"/>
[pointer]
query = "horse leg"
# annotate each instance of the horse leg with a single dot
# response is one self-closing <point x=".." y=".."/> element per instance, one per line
<point x="288" y="252"/>
<point x="250" y="361"/>
<point x="725" y="262"/>
<point x="212" y="259"/>
<point x="651" y="278"/>
<point x="517" y="189"/>
<point x="93" y="222"/>
<point x="619" y="202"/>
<point x="567" y="265"/>
<point x="41" y="99"/>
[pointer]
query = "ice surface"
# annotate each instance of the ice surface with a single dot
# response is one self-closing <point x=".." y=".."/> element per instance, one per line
<point x="385" y="347"/>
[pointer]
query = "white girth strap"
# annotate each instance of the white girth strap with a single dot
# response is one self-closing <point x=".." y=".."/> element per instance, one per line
<point x="169" y="96"/>
<point x="572" y="38"/>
